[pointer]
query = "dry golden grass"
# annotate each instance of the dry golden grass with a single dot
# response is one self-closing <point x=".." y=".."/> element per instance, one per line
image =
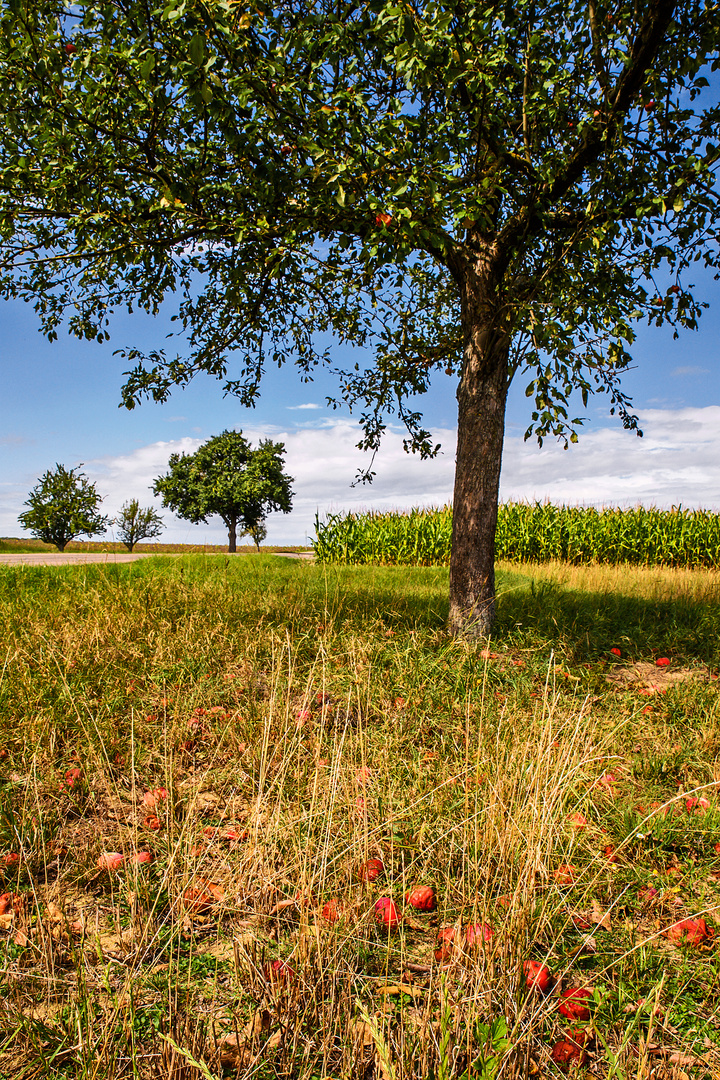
<point x="324" y="717"/>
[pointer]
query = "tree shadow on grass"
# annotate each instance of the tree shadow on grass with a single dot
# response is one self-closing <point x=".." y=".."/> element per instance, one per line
<point x="586" y="624"/>
<point x="581" y="624"/>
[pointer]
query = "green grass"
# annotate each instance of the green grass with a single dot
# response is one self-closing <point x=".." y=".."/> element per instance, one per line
<point x="255" y="692"/>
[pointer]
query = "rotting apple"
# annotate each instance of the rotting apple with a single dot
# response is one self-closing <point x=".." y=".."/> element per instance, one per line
<point x="110" y="860"/>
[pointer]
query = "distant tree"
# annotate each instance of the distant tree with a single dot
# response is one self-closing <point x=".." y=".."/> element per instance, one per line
<point x="63" y="504"/>
<point x="225" y="476"/>
<point x="135" y="523"/>
<point x="257" y="533"/>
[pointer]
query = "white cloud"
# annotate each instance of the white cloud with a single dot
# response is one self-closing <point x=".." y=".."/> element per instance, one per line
<point x="676" y="462"/>
<point x="691" y="369"/>
<point x="309" y="405"/>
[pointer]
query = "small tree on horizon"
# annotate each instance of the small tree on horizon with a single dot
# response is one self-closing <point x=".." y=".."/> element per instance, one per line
<point x="135" y="523"/>
<point x="257" y="533"/>
<point x="225" y="476"/>
<point x="63" y="504"/>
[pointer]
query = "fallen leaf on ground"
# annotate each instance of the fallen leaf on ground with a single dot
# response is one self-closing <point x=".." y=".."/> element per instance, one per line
<point x="599" y="915"/>
<point x="202" y="896"/>
<point x="689" y="932"/>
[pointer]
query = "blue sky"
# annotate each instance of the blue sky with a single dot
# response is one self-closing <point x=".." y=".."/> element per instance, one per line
<point x="60" y="404"/>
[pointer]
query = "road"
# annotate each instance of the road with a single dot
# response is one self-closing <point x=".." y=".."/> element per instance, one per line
<point x="80" y="558"/>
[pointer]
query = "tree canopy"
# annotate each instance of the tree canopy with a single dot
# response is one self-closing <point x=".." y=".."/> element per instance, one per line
<point x="494" y="189"/>
<point x="62" y="505"/>
<point x="225" y="476"/>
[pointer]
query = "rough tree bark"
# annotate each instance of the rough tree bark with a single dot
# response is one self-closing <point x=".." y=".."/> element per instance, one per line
<point x="232" y="535"/>
<point x="482" y="395"/>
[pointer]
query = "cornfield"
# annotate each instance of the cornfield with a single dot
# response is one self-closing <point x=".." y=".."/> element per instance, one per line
<point x="532" y="532"/>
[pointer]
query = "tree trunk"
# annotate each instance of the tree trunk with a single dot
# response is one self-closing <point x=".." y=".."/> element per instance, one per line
<point x="482" y="396"/>
<point x="232" y="537"/>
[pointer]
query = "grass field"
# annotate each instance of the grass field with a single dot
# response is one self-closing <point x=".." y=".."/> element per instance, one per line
<point x="263" y="728"/>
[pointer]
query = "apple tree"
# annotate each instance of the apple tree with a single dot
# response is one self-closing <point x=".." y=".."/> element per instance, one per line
<point x="135" y="523"/>
<point x="227" y="478"/>
<point x="499" y="190"/>
<point x="62" y="505"/>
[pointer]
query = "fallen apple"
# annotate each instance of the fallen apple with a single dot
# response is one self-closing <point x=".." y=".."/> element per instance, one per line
<point x="565" y="874"/>
<point x="662" y="661"/>
<point x="110" y="860"/>
<point x="573" y="1003"/>
<point x="278" y="972"/>
<point x="537" y="976"/>
<point x="6" y="903"/>
<point x="616" y="652"/>
<point x="386" y="913"/>
<point x="141" y="857"/>
<point x="153" y="798"/>
<point x="371" y="870"/>
<point x="422" y="898"/>
<point x="446" y="940"/>
<point x="565" y="1054"/>
<point x="331" y="911"/>
<point x="73" y="777"/>
<point x="477" y="934"/>
<point x="152" y="821"/>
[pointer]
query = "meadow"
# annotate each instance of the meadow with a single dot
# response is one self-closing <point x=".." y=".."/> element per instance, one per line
<point x="205" y="760"/>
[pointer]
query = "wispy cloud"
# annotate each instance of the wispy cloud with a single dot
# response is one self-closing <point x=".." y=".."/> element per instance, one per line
<point x="691" y="369"/>
<point x="308" y="405"/>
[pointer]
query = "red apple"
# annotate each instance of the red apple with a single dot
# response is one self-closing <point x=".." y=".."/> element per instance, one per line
<point x="537" y="976"/>
<point x="155" y="797"/>
<point x="69" y="48"/>
<point x="110" y="860"/>
<point x="662" y="661"/>
<point x="690" y="932"/>
<point x="478" y="934"/>
<point x="565" y="1053"/>
<point x="572" y="1003"/>
<point x="387" y="915"/>
<point x="421" y="897"/>
<point x="371" y="870"/>
<point x="565" y="874"/>
<point x="73" y="777"/>
<point x="447" y="936"/>
<point x="331" y="911"/>
<point x="278" y="972"/>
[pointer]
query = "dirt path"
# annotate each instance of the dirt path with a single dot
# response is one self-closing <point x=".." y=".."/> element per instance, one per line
<point x="75" y="558"/>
